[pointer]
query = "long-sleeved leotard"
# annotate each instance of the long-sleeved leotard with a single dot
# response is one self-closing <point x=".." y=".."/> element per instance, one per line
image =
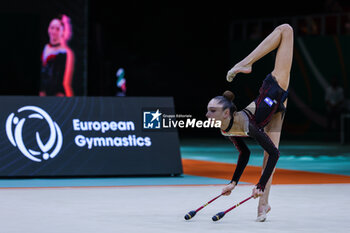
<point x="269" y="102"/>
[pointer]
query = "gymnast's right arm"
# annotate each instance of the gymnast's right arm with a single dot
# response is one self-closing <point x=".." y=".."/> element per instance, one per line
<point x="243" y="158"/>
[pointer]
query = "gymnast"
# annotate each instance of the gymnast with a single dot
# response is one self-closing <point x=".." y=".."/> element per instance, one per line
<point x="262" y="119"/>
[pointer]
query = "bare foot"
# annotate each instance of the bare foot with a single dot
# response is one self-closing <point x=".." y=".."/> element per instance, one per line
<point x="238" y="68"/>
<point x="262" y="211"/>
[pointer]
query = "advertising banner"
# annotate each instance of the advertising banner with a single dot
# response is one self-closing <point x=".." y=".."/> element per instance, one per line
<point x="85" y="136"/>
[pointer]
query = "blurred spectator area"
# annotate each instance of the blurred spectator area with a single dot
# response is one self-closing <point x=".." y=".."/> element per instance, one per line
<point x="315" y="24"/>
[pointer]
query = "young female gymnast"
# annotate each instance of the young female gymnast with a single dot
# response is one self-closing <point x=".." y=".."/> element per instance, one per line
<point x="57" y="66"/>
<point x="263" y="118"/>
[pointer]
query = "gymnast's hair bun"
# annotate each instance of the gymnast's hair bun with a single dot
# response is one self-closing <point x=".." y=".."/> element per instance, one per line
<point x="229" y="95"/>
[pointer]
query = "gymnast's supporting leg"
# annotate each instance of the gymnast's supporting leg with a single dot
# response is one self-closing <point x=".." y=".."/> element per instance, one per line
<point x="273" y="130"/>
<point x="264" y="207"/>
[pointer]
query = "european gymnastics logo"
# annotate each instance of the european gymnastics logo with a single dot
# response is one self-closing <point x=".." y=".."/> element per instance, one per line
<point x="14" y="128"/>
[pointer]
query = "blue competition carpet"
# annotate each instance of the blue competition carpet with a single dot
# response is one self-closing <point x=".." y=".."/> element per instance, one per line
<point x="124" y="181"/>
<point x="313" y="157"/>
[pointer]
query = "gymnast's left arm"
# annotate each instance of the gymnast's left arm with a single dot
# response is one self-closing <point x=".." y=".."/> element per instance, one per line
<point x="68" y="74"/>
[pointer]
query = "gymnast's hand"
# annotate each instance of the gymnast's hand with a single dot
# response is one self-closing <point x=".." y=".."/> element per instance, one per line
<point x="228" y="189"/>
<point x="238" y="68"/>
<point x="257" y="192"/>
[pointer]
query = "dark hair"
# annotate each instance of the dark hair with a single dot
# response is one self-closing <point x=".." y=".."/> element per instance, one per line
<point x="226" y="99"/>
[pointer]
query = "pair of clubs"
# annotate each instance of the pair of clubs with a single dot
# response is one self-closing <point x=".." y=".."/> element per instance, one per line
<point x="217" y="216"/>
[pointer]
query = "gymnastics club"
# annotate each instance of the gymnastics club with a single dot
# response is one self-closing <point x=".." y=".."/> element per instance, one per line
<point x="222" y="214"/>
<point x="192" y="213"/>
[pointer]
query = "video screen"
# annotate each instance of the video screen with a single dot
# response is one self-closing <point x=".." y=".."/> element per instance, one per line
<point x="44" y="52"/>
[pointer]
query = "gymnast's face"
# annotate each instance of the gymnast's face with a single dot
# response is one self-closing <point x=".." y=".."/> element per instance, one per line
<point x="55" y="31"/>
<point x="216" y="111"/>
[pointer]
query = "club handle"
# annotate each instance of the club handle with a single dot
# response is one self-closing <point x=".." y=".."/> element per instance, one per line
<point x="208" y="203"/>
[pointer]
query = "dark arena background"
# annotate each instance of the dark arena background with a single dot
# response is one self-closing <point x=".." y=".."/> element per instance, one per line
<point x="108" y="133"/>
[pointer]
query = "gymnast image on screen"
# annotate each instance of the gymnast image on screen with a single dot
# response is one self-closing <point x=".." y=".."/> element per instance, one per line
<point x="57" y="60"/>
